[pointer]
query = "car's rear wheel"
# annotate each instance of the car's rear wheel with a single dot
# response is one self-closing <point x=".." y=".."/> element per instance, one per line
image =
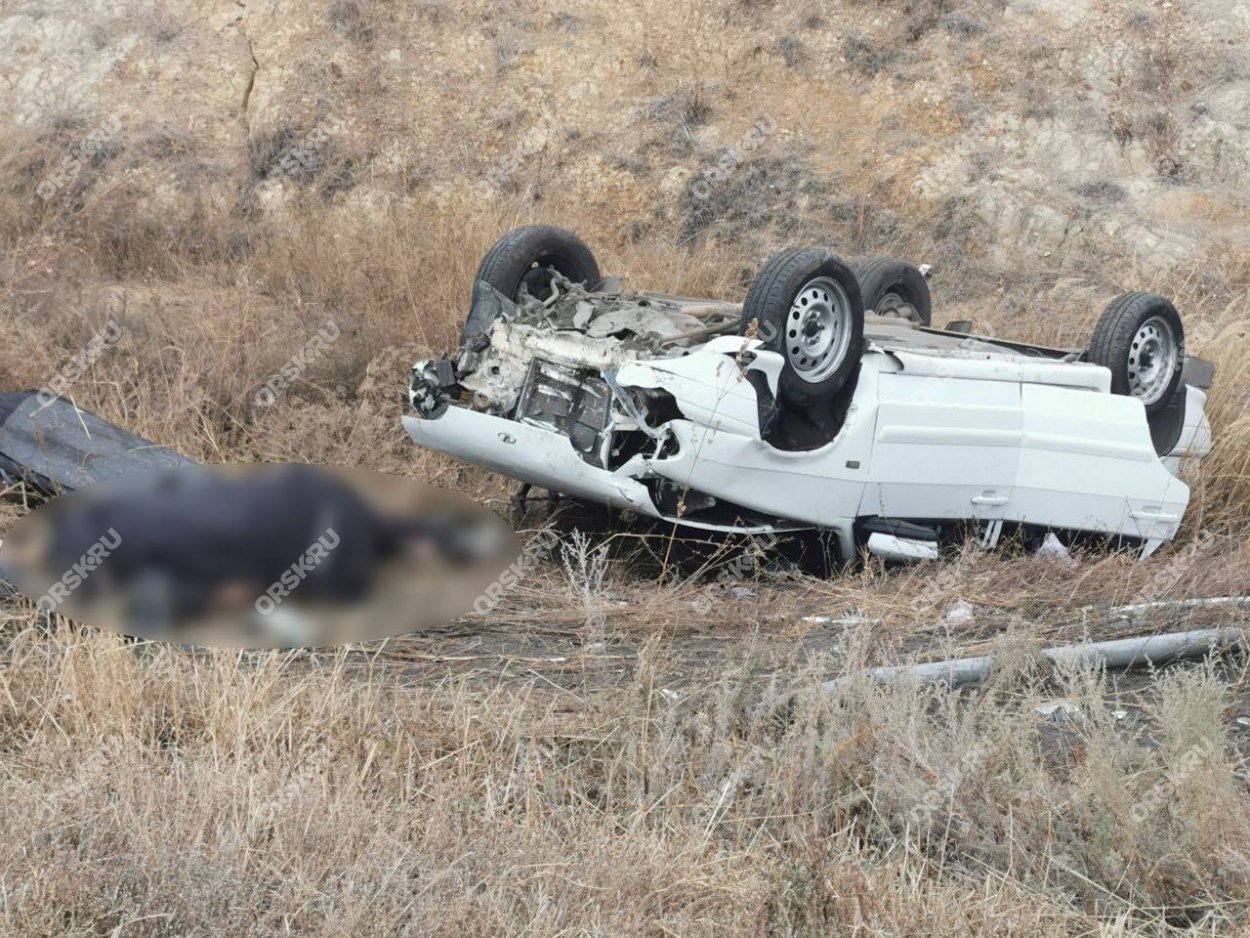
<point x="523" y="262"/>
<point x="809" y="310"/>
<point x="1140" y="338"/>
<point x="894" y="288"/>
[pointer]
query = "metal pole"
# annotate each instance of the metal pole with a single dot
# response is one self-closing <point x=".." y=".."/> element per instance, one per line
<point x="1119" y="653"/>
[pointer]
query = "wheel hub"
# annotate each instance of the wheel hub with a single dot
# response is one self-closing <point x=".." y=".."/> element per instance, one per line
<point x="894" y="306"/>
<point x="1152" y="360"/>
<point x="538" y="280"/>
<point x="818" y="329"/>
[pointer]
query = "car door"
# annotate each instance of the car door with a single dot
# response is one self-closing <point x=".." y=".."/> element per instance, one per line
<point x="946" y="447"/>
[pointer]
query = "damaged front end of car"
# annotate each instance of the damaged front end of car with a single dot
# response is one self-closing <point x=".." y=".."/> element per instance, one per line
<point x="594" y="397"/>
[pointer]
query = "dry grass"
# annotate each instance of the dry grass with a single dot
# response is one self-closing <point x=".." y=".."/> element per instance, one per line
<point x="157" y="793"/>
<point x="599" y="757"/>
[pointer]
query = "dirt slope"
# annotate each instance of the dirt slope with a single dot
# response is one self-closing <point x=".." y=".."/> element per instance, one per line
<point x="1058" y="135"/>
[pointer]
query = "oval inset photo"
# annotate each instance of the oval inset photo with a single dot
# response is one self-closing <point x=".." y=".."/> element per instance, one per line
<point x="259" y="556"/>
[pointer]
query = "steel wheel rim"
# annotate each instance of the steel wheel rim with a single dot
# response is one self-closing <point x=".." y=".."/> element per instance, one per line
<point x="818" y="329"/>
<point x="1152" y="360"/>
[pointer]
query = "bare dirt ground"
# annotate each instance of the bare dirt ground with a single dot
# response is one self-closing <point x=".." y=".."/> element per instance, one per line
<point x="624" y="746"/>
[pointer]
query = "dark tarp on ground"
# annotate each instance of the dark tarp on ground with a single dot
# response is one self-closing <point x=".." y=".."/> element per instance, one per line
<point x="60" y="447"/>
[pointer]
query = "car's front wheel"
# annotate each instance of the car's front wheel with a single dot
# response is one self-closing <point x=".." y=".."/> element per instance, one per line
<point x="808" y="307"/>
<point x="523" y="262"/>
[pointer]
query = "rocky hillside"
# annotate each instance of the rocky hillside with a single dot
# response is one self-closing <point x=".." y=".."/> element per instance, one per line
<point x="1016" y="132"/>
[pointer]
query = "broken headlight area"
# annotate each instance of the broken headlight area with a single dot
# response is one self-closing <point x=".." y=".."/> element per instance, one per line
<point x="606" y="424"/>
<point x="432" y="387"/>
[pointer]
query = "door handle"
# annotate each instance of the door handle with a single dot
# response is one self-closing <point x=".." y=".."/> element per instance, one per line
<point x="991" y="501"/>
<point x="1144" y="515"/>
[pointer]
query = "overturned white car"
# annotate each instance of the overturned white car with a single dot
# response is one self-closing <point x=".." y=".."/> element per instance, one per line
<point x="798" y="410"/>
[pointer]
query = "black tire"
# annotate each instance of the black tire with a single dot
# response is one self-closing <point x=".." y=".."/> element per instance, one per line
<point x="1121" y="337"/>
<point x="900" y="284"/>
<point x="774" y="291"/>
<point x="525" y="257"/>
